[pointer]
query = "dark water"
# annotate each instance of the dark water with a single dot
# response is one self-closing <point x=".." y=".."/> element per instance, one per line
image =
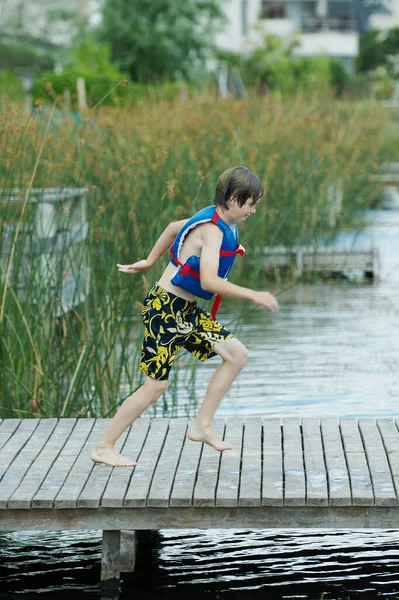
<point x="211" y="564"/>
<point x="331" y="350"/>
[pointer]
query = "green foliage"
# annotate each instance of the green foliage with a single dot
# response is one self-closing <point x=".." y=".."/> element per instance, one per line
<point x="11" y="85"/>
<point x="383" y="86"/>
<point x="90" y="55"/>
<point x="274" y="67"/>
<point x="339" y="76"/>
<point x="157" y="40"/>
<point x="15" y="54"/>
<point x="233" y="59"/>
<point x="379" y="49"/>
<point x="99" y="86"/>
<point x="379" y="57"/>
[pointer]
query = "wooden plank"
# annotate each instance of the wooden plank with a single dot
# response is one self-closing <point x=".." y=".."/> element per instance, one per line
<point x="251" y="470"/>
<point x="162" y="481"/>
<point x="390" y="439"/>
<point x="16" y="471"/>
<point x="118" y="483"/>
<point x="384" y="491"/>
<point x="91" y="494"/>
<point x="255" y="517"/>
<point x="22" y="497"/>
<point x="55" y="478"/>
<point x="140" y="482"/>
<point x="186" y="475"/>
<point x="75" y="480"/>
<point x="208" y="470"/>
<point x="15" y="443"/>
<point x="230" y="464"/>
<point x="7" y="429"/>
<point x="316" y="476"/>
<point x="359" y="474"/>
<point x="294" y="472"/>
<point x="337" y="472"/>
<point x="272" y="486"/>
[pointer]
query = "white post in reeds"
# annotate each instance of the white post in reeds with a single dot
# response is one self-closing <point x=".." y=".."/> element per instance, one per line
<point x="27" y="83"/>
<point x="335" y="197"/>
<point x="222" y="75"/>
<point x="183" y="95"/>
<point x="81" y="90"/>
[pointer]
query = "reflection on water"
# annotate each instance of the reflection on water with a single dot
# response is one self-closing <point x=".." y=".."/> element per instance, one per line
<point x="332" y="349"/>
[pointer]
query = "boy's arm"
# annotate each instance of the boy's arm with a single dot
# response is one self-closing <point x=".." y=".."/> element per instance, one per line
<point x="161" y="245"/>
<point x="210" y="280"/>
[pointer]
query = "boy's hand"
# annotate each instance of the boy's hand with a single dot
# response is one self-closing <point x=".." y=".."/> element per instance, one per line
<point x="265" y="299"/>
<point x="137" y="267"/>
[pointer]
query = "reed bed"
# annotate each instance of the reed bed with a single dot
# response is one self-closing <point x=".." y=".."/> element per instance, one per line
<point x="142" y="167"/>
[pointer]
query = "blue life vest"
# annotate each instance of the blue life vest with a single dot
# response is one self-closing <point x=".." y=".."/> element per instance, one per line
<point x="188" y="276"/>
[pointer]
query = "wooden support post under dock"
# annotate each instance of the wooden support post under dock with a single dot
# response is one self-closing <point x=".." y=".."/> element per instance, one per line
<point x="128" y="550"/>
<point x="281" y="473"/>
<point x="111" y="559"/>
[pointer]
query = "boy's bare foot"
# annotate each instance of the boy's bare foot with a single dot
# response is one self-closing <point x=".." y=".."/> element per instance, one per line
<point x="111" y="457"/>
<point x="198" y="433"/>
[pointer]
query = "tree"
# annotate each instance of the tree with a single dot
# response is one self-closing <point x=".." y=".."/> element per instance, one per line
<point x="88" y="53"/>
<point x="156" y="40"/>
<point x="379" y="49"/>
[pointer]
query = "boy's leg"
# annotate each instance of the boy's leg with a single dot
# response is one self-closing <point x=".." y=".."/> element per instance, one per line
<point x="156" y="360"/>
<point x="130" y="410"/>
<point x="234" y="355"/>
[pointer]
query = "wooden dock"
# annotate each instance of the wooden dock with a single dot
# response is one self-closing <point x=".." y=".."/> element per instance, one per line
<point x="344" y="260"/>
<point x="281" y="473"/>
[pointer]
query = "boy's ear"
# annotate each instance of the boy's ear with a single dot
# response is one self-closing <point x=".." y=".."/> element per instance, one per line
<point x="232" y="200"/>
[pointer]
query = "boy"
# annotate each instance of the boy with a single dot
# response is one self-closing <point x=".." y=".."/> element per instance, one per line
<point x="202" y="250"/>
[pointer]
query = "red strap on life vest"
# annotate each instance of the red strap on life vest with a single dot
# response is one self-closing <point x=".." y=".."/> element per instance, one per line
<point x="215" y="306"/>
<point x="239" y="250"/>
<point x="185" y="268"/>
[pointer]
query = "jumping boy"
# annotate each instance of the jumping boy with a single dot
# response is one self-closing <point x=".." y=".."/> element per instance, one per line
<point x="202" y="251"/>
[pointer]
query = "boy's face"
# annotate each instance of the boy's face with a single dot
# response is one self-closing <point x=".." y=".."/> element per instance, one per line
<point x="241" y="213"/>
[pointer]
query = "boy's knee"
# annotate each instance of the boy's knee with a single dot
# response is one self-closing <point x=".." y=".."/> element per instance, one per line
<point x="241" y="355"/>
<point x="232" y="351"/>
<point x="155" y="387"/>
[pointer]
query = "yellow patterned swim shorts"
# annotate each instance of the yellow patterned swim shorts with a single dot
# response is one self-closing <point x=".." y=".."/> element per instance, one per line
<point x="171" y="323"/>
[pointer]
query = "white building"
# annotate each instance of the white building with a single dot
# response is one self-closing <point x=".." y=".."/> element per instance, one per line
<point x="322" y="27"/>
<point x="386" y="19"/>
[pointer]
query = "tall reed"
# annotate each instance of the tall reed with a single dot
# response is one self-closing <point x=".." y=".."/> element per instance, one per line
<point x="142" y="167"/>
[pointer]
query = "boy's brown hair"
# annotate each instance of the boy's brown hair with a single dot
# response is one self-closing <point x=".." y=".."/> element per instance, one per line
<point x="239" y="183"/>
